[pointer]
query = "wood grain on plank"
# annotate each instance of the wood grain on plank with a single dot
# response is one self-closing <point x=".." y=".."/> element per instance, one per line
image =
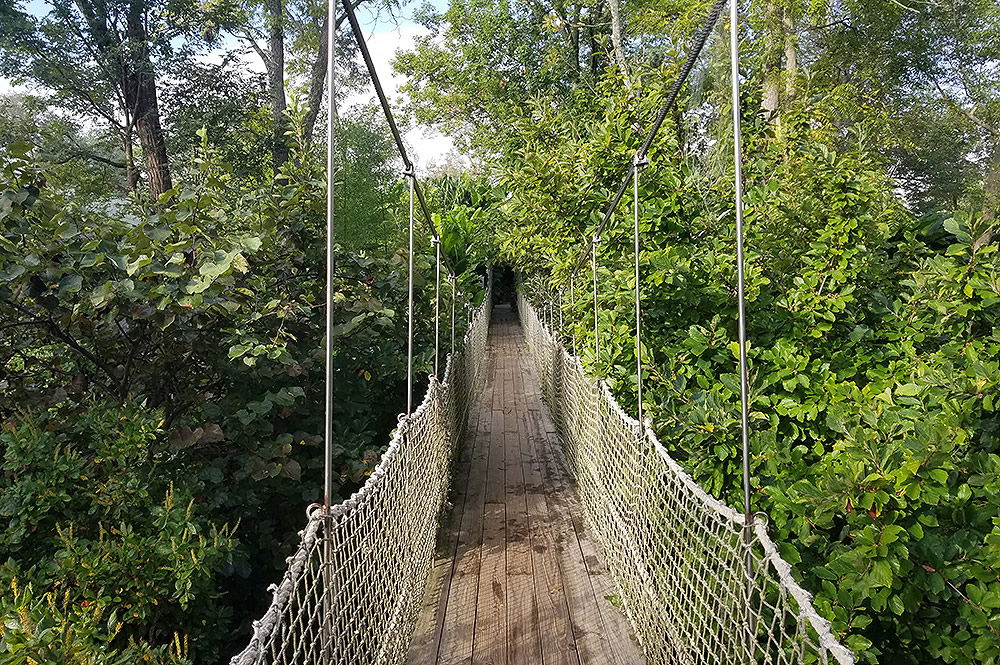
<point x="525" y="584"/>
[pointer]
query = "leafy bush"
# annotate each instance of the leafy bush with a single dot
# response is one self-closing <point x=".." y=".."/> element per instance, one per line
<point x="96" y="521"/>
<point x="874" y="346"/>
<point x="163" y="377"/>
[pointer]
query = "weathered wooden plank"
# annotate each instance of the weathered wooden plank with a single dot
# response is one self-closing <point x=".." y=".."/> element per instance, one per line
<point x="490" y="646"/>
<point x="621" y="642"/>
<point x="426" y="641"/>
<point x="524" y="646"/>
<point x="496" y="465"/>
<point x="587" y="623"/>
<point x="458" y="626"/>
<point x="531" y="466"/>
<point x="554" y="622"/>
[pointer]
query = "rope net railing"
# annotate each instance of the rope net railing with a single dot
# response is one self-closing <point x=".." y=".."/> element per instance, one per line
<point x="352" y="589"/>
<point x="697" y="587"/>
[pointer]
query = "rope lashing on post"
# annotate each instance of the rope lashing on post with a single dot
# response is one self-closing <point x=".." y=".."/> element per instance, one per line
<point x="678" y="556"/>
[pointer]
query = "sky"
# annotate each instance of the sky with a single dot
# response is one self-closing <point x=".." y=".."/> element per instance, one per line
<point x="385" y="36"/>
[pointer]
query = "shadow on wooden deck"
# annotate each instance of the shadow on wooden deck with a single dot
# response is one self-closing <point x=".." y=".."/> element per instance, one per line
<point x="517" y="579"/>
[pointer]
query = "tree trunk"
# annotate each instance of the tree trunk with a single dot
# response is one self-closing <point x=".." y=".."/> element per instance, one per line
<point x="991" y="187"/>
<point x="771" y="62"/>
<point x="140" y="96"/>
<point x="317" y="81"/>
<point x="574" y="41"/>
<point x="616" y="40"/>
<point x="596" y="15"/>
<point x="131" y="172"/>
<point x="791" y="53"/>
<point x="276" y="82"/>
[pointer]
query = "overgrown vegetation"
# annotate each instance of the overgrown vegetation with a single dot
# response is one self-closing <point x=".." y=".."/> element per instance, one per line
<point x="162" y="286"/>
<point x="162" y="303"/>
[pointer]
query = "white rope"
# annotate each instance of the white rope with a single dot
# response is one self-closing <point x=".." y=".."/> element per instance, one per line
<point x="378" y="545"/>
<point x="678" y="555"/>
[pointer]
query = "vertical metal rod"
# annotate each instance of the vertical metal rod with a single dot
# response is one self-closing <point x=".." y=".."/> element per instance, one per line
<point x="560" y="314"/>
<point x="637" y="163"/>
<point x="437" y="302"/>
<point x="409" y="325"/>
<point x="734" y="51"/>
<point x="331" y="141"/>
<point x="593" y="267"/>
<point x="572" y="302"/>
<point x="454" y="296"/>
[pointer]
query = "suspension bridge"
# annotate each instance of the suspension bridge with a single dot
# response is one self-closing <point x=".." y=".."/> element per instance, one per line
<point x="519" y="515"/>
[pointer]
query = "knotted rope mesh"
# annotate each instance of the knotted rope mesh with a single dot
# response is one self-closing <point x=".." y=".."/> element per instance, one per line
<point x="353" y="587"/>
<point x="696" y="587"/>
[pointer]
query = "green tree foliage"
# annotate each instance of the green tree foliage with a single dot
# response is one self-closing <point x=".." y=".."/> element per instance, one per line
<point x="162" y="371"/>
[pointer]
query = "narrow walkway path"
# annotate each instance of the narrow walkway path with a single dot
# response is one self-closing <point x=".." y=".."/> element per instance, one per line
<point x="518" y="580"/>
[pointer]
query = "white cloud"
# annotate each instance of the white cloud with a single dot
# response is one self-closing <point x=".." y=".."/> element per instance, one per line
<point x="6" y="87"/>
<point x="427" y="147"/>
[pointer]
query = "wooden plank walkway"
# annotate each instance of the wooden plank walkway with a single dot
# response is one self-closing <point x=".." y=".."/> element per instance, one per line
<point x="517" y="579"/>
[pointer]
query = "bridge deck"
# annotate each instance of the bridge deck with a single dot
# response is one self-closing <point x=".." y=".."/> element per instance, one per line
<point x="517" y="580"/>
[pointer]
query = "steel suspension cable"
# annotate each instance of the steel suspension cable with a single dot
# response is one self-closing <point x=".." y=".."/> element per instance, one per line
<point x="331" y="140"/>
<point x="437" y="302"/>
<point x="597" y="326"/>
<point x="734" y="55"/>
<point x="572" y="302"/>
<point x="701" y="38"/>
<point x="359" y="38"/>
<point x="454" y="295"/>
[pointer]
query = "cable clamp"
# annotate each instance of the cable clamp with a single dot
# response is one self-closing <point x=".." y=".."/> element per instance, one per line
<point x="597" y="238"/>
<point x="410" y="171"/>
<point x="435" y="240"/>
<point x="639" y="162"/>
